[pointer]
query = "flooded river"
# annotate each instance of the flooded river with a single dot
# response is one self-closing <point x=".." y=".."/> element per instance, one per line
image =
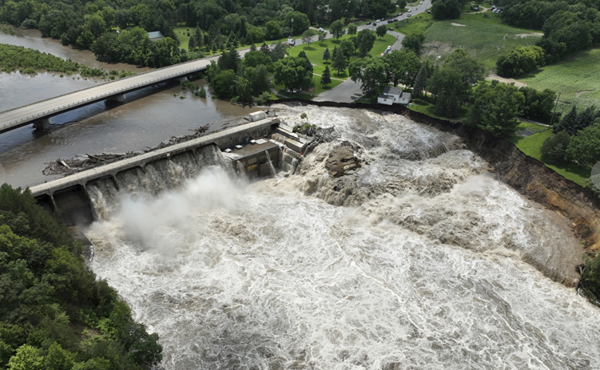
<point x="152" y="115"/>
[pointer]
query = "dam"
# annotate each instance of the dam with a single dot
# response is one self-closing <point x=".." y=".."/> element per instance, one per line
<point x="248" y="149"/>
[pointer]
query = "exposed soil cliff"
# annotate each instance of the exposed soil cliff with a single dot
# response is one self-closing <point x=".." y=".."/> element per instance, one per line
<point x="525" y="174"/>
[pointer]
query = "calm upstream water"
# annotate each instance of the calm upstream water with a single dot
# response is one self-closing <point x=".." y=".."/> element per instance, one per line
<point x="422" y="267"/>
<point x="152" y="115"/>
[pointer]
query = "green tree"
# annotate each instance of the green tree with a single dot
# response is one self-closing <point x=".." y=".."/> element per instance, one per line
<point x="339" y="61"/>
<point x="585" y="147"/>
<point x="58" y="358"/>
<point x="326" y="55"/>
<point x="191" y="43"/>
<point x="519" y="61"/>
<point x="590" y="277"/>
<point x="307" y="36"/>
<point x="401" y="4"/>
<point x="371" y="72"/>
<point x="496" y="107"/>
<point x="326" y="77"/>
<point x="538" y="104"/>
<point x="348" y="48"/>
<point x="381" y="30"/>
<point x="299" y="21"/>
<point x="445" y="9"/>
<point x="414" y="42"/>
<point x="568" y="122"/>
<point x="198" y="37"/>
<point x="449" y="90"/>
<point x="294" y="73"/>
<point x="26" y="358"/>
<point x="366" y="40"/>
<point x="224" y="84"/>
<point x="273" y="30"/>
<point x="337" y="29"/>
<point x="554" y="148"/>
<point x="352" y="28"/>
<point x="402" y="66"/>
<point x="420" y="82"/>
<point x="322" y="36"/>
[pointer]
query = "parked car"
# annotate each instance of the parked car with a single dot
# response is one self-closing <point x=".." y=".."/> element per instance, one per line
<point x="375" y="24"/>
<point x="368" y="23"/>
<point x="409" y="10"/>
<point x="429" y="11"/>
<point x="390" y="29"/>
<point x="410" y="15"/>
<point x="321" y="30"/>
<point x="390" y="21"/>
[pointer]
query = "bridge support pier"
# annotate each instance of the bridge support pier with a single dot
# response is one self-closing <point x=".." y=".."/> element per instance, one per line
<point x="182" y="78"/>
<point x="42" y="124"/>
<point x="121" y="98"/>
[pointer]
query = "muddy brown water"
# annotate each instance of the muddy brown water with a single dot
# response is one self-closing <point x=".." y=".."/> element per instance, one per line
<point x="151" y="115"/>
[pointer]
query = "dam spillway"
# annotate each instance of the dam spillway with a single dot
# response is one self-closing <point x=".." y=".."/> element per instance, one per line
<point x="163" y="169"/>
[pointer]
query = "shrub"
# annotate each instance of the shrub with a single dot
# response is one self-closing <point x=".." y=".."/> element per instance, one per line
<point x="555" y="147"/>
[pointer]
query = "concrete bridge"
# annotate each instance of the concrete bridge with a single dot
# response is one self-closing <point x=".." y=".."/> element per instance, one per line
<point x="40" y="113"/>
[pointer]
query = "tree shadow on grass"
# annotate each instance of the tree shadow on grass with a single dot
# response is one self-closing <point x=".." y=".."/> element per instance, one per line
<point x="309" y="48"/>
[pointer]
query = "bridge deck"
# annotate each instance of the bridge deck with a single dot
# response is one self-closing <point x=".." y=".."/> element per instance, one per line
<point x="18" y="117"/>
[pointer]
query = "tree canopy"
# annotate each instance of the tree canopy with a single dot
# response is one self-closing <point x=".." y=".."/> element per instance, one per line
<point x="54" y="314"/>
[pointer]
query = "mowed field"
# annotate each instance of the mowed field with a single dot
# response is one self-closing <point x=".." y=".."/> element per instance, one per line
<point x="578" y="77"/>
<point x="483" y="38"/>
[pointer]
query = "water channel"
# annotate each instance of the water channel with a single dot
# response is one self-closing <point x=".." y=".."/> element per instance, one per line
<point x="152" y="115"/>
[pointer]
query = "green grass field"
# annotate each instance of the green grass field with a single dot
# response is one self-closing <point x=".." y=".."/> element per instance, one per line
<point x="531" y="146"/>
<point x="577" y="77"/>
<point x="483" y="38"/>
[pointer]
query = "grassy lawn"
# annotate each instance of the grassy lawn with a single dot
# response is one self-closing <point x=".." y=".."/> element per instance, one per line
<point x="483" y="38"/>
<point x="315" y="50"/>
<point x="577" y="77"/>
<point x="532" y="144"/>
<point x="426" y="107"/>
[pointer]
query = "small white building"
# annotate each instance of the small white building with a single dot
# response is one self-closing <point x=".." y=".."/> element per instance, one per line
<point x="393" y="95"/>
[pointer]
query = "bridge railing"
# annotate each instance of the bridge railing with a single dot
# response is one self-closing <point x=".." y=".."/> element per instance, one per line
<point x="130" y="87"/>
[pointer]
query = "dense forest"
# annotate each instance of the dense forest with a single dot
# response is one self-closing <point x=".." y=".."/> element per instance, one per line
<point x="116" y="31"/>
<point x="54" y="313"/>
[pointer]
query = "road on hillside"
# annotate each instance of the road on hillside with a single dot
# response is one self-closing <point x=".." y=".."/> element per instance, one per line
<point x="349" y="91"/>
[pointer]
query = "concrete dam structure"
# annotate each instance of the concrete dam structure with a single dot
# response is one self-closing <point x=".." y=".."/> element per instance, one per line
<point x="246" y="149"/>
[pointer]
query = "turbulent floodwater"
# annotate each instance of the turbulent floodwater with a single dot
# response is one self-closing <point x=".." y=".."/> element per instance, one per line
<point x="429" y="263"/>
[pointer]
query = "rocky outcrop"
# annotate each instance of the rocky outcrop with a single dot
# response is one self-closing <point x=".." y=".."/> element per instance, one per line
<point x="341" y="161"/>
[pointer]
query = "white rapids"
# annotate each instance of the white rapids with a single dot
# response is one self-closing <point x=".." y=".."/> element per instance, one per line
<point x="428" y="265"/>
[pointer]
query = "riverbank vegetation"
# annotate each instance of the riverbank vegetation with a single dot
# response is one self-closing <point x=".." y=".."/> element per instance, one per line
<point x="54" y="314"/>
<point x="98" y="26"/>
<point x="29" y="61"/>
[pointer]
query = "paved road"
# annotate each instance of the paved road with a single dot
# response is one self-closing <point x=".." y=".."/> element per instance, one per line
<point x="349" y="91"/>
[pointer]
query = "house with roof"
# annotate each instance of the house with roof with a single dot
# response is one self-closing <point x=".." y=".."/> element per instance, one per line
<point x="393" y="95"/>
<point x="155" y="35"/>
